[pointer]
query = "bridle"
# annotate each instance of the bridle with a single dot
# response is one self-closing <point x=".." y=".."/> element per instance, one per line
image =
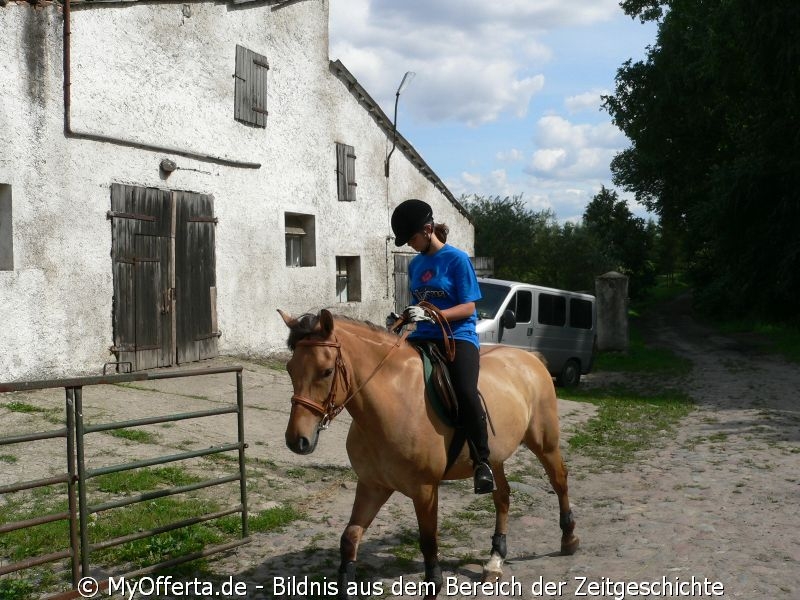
<point x="328" y="409"/>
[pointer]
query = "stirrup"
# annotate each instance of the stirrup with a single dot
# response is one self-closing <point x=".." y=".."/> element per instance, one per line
<point x="484" y="478"/>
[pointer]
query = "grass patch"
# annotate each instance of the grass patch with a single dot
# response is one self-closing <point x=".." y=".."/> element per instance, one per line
<point x="144" y="479"/>
<point x="8" y="458"/>
<point x="148" y="515"/>
<point x="641" y="358"/>
<point x="134" y="435"/>
<point x="23" y="407"/>
<point x="266" y="520"/>
<point x="16" y="589"/>
<point x="408" y="550"/>
<point x="626" y="422"/>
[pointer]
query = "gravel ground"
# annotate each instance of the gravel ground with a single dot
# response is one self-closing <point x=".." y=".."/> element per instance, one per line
<point x="712" y="509"/>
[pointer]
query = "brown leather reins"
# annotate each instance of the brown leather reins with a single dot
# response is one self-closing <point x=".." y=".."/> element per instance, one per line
<point x="341" y="378"/>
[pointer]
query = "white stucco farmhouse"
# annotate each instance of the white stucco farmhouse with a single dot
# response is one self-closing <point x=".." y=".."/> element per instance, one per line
<point x="172" y="173"/>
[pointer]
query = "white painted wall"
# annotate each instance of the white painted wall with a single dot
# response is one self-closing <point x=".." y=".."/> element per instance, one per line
<point x="161" y="74"/>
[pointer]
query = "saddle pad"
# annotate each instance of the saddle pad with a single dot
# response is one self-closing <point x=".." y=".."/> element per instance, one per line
<point x="432" y="392"/>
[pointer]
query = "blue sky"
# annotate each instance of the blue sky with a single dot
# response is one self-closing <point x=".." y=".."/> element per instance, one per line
<point x="506" y="96"/>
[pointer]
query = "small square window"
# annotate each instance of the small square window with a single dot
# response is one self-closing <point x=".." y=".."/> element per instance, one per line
<point x="300" y="240"/>
<point x="250" y="87"/>
<point x="346" y="172"/>
<point x="6" y="229"/>
<point x="348" y="278"/>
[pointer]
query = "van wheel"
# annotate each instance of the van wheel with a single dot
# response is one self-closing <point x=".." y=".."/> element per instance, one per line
<point x="570" y="375"/>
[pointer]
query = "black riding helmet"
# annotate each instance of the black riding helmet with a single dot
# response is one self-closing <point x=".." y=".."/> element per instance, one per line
<point x="409" y="218"/>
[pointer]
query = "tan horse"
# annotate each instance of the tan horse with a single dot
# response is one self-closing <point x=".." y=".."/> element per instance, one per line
<point x="397" y="441"/>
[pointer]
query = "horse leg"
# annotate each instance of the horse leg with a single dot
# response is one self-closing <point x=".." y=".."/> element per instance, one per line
<point x="426" y="505"/>
<point x="367" y="503"/>
<point x="493" y="569"/>
<point x="550" y="457"/>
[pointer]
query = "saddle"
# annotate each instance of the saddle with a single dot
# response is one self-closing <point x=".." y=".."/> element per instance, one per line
<point x="442" y="396"/>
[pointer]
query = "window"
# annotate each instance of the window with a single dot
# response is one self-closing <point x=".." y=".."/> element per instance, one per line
<point x="552" y="310"/>
<point x="348" y="278"/>
<point x="522" y="304"/>
<point x="580" y="313"/>
<point x="300" y="240"/>
<point x="250" y="88"/>
<point x="346" y="172"/>
<point x="6" y="229"/>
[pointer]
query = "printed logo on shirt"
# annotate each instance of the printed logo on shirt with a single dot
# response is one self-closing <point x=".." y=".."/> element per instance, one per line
<point x="427" y="276"/>
<point x="425" y="293"/>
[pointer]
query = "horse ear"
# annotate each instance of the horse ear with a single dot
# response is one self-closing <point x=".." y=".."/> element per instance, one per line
<point x="326" y="322"/>
<point x="288" y="319"/>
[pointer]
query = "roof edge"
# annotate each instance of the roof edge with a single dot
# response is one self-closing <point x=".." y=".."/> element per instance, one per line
<point x="385" y="123"/>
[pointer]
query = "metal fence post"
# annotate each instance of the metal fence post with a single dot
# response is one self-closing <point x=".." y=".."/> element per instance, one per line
<point x="73" y="511"/>
<point x="83" y="505"/>
<point x="242" y="446"/>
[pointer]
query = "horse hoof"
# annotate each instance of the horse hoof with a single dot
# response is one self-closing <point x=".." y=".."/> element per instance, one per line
<point x="490" y="576"/>
<point x="569" y="544"/>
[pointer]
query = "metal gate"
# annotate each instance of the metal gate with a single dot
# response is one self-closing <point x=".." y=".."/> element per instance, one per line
<point x="165" y="294"/>
<point x="76" y="475"/>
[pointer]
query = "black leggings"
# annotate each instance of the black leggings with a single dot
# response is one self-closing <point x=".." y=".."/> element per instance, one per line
<point x="464" y="372"/>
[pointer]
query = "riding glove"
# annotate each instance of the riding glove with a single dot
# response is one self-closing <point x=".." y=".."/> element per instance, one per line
<point x="414" y="314"/>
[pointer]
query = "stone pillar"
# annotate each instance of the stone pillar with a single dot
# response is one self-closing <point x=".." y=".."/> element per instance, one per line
<point x="611" y="292"/>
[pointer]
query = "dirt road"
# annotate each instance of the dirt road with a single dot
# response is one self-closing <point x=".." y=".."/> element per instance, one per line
<point x="713" y="509"/>
<point x="717" y="502"/>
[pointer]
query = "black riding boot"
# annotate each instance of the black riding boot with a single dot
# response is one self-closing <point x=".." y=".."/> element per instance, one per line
<point x="479" y="445"/>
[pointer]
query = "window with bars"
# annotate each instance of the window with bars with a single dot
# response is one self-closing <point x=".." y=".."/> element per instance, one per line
<point x="348" y="278"/>
<point x="346" y="172"/>
<point x="300" y="240"/>
<point x="250" y="89"/>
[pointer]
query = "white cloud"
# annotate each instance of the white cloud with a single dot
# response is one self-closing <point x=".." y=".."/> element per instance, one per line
<point x="475" y="60"/>
<point x="471" y="179"/>
<point x="566" y="150"/>
<point x="587" y="101"/>
<point x="512" y="155"/>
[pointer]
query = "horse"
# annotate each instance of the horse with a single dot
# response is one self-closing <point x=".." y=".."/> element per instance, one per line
<point x="398" y="442"/>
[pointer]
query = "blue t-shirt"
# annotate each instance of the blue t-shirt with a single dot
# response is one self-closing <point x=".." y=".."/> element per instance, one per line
<point x="444" y="279"/>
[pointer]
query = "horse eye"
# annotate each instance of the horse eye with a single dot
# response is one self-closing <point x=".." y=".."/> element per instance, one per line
<point x="327" y="372"/>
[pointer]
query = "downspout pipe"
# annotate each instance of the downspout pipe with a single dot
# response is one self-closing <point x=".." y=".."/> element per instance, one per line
<point x="68" y="132"/>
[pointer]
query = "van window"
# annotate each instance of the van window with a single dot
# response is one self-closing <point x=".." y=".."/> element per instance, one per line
<point x="522" y="305"/>
<point x="580" y="313"/>
<point x="492" y="298"/>
<point x="552" y="310"/>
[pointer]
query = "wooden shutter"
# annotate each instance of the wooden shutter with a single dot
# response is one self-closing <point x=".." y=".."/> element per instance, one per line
<point x="250" y="90"/>
<point x="346" y="172"/>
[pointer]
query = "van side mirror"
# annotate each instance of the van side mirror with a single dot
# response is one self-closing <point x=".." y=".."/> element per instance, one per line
<point x="509" y="319"/>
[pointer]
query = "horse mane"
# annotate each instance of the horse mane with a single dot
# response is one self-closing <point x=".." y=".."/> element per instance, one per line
<point x="307" y="324"/>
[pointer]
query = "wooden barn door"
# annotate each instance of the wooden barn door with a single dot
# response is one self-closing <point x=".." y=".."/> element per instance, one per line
<point x="195" y="277"/>
<point x="141" y="235"/>
<point x="164" y="276"/>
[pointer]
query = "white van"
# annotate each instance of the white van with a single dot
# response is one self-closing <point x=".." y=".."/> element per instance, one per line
<point x="558" y="324"/>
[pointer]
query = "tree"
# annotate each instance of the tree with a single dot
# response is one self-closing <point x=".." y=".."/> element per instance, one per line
<point x="626" y="242"/>
<point x="506" y="230"/>
<point x="715" y="145"/>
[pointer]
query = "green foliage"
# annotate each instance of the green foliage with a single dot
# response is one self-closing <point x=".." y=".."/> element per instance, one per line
<point x="534" y="248"/>
<point x="16" y="589"/>
<point x="711" y="115"/>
